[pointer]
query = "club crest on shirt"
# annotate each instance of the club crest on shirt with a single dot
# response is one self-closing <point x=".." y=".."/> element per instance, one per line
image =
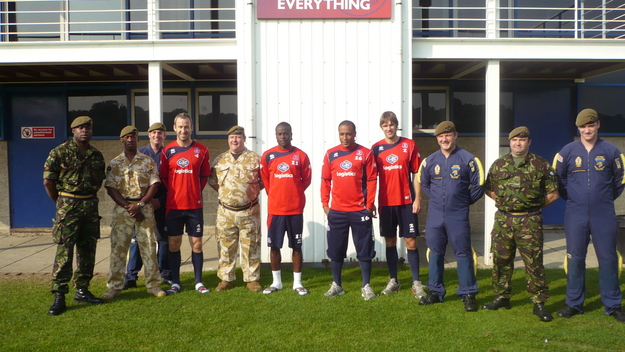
<point x="404" y="145"/>
<point x="392" y="159"/>
<point x="196" y="150"/>
<point x="182" y="162"/>
<point x="437" y="169"/>
<point x="599" y="163"/>
<point x="359" y="152"/>
<point x="283" y="167"/>
<point x="295" y="157"/>
<point x="578" y="162"/>
<point x="455" y="172"/>
<point x="346" y="165"/>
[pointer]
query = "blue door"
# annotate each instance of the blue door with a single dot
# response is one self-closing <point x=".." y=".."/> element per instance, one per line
<point x="30" y="205"/>
<point x="548" y="113"/>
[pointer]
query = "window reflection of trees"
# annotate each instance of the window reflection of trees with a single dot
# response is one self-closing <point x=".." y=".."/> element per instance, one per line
<point x="109" y="117"/>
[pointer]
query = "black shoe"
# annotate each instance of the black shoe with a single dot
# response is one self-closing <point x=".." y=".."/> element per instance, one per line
<point x="83" y="295"/>
<point x="58" y="306"/>
<point x="431" y="298"/>
<point x="129" y="284"/>
<point x="568" y="312"/>
<point x="541" y="311"/>
<point x="470" y="304"/>
<point x="499" y="302"/>
<point x="618" y="314"/>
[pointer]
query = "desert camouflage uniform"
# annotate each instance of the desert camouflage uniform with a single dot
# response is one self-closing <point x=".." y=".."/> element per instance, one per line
<point x="520" y="191"/>
<point x="239" y="186"/>
<point x="132" y="179"/>
<point x="77" y="222"/>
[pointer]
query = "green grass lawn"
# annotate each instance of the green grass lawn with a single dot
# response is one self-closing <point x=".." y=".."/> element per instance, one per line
<point x="240" y="320"/>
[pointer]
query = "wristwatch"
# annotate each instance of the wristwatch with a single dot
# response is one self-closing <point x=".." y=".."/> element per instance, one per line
<point x="141" y="204"/>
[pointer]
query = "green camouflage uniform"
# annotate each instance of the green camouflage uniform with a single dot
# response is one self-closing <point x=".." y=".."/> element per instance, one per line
<point x="239" y="185"/>
<point x="77" y="222"/>
<point x="132" y="179"/>
<point x="518" y="224"/>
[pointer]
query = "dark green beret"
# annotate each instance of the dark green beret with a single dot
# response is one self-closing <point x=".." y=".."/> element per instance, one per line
<point x="157" y="126"/>
<point x="236" y="130"/>
<point x="128" y="130"/>
<point x="81" y="120"/>
<point x="586" y="116"/>
<point x="520" y="131"/>
<point x="445" y="127"/>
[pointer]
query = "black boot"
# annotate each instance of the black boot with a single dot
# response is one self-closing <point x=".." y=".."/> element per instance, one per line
<point x="83" y="295"/>
<point x="58" y="306"/>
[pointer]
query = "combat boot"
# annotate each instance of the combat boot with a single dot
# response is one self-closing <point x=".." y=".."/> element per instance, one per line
<point x="58" y="306"/>
<point x="83" y="295"/>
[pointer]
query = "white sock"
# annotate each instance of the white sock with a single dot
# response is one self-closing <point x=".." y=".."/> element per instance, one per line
<point x="297" y="280"/>
<point x="277" y="279"/>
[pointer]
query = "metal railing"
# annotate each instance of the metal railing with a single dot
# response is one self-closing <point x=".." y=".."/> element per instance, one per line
<point x="575" y="21"/>
<point x="61" y="21"/>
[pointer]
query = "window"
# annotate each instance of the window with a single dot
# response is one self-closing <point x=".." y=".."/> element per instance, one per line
<point x="608" y="101"/>
<point x="197" y="18"/>
<point x="107" y="109"/>
<point x="429" y="108"/>
<point x="175" y="101"/>
<point x="217" y="111"/>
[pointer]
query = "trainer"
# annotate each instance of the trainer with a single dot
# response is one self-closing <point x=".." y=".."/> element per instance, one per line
<point x="590" y="176"/>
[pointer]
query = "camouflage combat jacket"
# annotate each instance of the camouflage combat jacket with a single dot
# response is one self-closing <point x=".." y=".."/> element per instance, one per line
<point x="522" y="187"/>
<point x="131" y="178"/>
<point x="74" y="170"/>
<point x="238" y="179"/>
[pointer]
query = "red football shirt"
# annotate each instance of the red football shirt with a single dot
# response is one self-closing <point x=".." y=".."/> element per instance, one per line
<point x="395" y="162"/>
<point x="286" y="175"/>
<point x="351" y="176"/>
<point x="185" y="171"/>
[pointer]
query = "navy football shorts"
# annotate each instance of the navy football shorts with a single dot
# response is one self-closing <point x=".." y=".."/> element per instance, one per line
<point x="361" y="224"/>
<point x="399" y="215"/>
<point x="277" y="225"/>
<point x="176" y="221"/>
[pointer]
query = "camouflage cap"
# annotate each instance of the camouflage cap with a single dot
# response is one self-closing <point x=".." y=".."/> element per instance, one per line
<point x="586" y="116"/>
<point x="520" y="131"/>
<point x="157" y="126"/>
<point x="445" y="127"/>
<point x="81" y="120"/>
<point x="236" y="130"/>
<point x="128" y="130"/>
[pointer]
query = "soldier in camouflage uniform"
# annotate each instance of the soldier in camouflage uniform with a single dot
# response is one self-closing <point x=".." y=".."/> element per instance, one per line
<point x="132" y="182"/>
<point x="73" y="174"/>
<point x="521" y="184"/>
<point x="236" y="177"/>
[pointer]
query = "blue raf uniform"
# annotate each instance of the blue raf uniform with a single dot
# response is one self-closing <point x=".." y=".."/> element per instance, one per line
<point x="590" y="182"/>
<point x="452" y="185"/>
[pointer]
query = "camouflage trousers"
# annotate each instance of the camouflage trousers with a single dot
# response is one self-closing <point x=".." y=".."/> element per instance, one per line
<point x="76" y="224"/>
<point x="525" y="233"/>
<point x="122" y="229"/>
<point x="236" y="228"/>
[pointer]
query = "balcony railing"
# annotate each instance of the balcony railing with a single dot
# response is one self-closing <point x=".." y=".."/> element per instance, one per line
<point x="575" y="20"/>
<point x="66" y="20"/>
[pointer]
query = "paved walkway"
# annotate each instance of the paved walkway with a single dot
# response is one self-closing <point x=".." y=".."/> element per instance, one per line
<point x="28" y="253"/>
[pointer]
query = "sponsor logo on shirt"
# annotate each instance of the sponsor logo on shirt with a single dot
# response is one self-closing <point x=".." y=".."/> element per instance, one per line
<point x="182" y="162"/>
<point x="283" y="167"/>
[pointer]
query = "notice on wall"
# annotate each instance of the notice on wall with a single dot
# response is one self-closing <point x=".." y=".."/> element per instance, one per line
<point x="38" y="132"/>
<point x="320" y="9"/>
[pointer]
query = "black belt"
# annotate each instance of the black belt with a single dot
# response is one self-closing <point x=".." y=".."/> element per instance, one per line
<point x="76" y="196"/>
<point x="240" y="208"/>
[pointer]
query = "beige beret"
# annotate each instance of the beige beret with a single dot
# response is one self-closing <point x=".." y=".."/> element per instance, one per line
<point x="128" y="130"/>
<point x="81" y="120"/>
<point x="520" y="131"/>
<point x="236" y="130"/>
<point x="157" y="126"/>
<point x="586" y="116"/>
<point x="445" y="127"/>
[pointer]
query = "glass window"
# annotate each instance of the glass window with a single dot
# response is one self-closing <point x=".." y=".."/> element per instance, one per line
<point x="174" y="102"/>
<point x="34" y="21"/>
<point x="197" y="18"/>
<point x="217" y="111"/>
<point x="469" y="111"/>
<point x="608" y="101"/>
<point x="96" y="20"/>
<point x="108" y="109"/>
<point x="429" y="108"/>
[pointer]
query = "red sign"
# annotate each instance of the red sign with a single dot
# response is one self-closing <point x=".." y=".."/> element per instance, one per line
<point x="38" y="133"/>
<point x="294" y="9"/>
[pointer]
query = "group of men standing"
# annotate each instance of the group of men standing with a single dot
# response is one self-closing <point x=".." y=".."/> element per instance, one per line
<point x="159" y="195"/>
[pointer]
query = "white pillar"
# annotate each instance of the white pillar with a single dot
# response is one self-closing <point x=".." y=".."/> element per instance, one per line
<point x="155" y="92"/>
<point x="491" y="146"/>
<point x="246" y="76"/>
